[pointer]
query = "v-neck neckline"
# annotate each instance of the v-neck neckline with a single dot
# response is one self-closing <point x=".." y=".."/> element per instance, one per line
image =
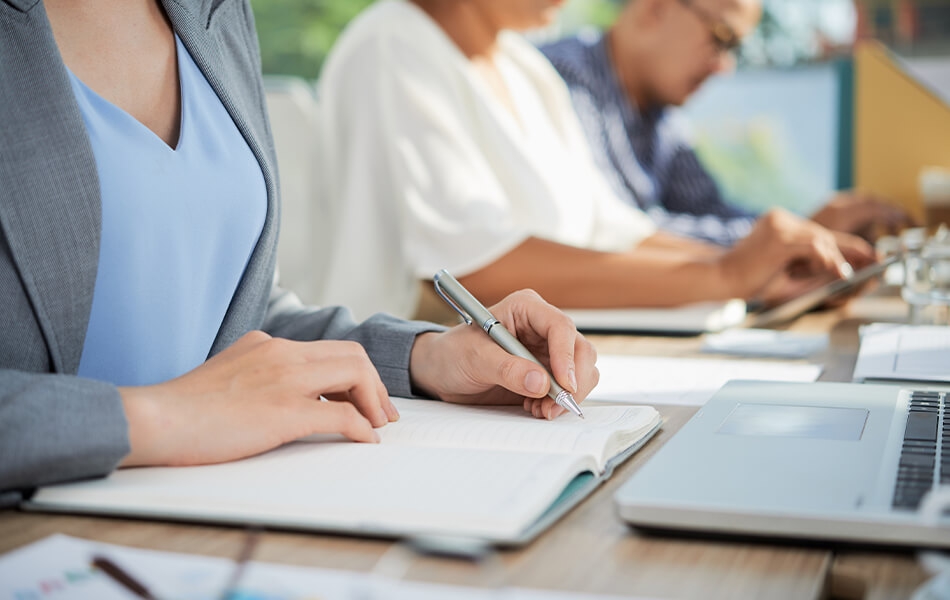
<point x="179" y="48"/>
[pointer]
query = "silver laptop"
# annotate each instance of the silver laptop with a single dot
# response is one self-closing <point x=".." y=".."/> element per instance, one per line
<point x="813" y="461"/>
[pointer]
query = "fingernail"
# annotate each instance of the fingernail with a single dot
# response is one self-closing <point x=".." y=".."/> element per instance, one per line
<point x="376" y="436"/>
<point x="395" y="415"/>
<point x="534" y="382"/>
<point x="572" y="379"/>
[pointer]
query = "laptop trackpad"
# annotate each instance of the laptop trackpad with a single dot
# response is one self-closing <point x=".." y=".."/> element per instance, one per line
<point x="818" y="422"/>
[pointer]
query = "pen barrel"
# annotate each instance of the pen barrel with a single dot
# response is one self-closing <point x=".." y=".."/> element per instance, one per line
<point x="510" y="343"/>
<point x="460" y="298"/>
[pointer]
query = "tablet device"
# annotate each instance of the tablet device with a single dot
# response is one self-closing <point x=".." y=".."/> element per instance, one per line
<point x="818" y="296"/>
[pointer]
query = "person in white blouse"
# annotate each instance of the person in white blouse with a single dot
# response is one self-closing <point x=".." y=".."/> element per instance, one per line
<point x="448" y="141"/>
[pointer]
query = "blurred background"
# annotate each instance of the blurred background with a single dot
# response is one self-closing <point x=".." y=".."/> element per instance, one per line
<point x="776" y="133"/>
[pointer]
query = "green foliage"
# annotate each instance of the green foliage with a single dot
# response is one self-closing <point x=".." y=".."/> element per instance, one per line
<point x="596" y="13"/>
<point x="296" y="35"/>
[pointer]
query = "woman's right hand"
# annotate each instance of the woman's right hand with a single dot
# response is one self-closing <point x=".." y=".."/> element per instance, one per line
<point x="256" y="395"/>
<point x="784" y="247"/>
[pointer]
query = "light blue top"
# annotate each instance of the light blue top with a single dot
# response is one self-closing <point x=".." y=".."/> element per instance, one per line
<point x="178" y="228"/>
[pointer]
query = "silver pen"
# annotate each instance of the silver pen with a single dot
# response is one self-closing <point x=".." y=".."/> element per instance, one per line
<point x="472" y="311"/>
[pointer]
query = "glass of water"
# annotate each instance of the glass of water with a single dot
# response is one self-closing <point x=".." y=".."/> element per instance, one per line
<point x="916" y="286"/>
<point x="927" y="281"/>
<point x="937" y="256"/>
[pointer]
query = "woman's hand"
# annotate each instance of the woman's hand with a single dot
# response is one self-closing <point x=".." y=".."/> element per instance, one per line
<point x="256" y="395"/>
<point x="464" y="365"/>
<point x="784" y="254"/>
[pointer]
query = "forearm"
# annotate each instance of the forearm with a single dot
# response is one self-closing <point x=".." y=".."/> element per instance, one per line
<point x="571" y="277"/>
<point x="687" y="247"/>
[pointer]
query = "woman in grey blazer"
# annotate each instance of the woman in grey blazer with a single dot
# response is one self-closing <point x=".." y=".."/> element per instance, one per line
<point x="258" y="382"/>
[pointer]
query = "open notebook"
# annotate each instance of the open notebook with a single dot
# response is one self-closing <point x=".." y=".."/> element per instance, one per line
<point x="493" y="474"/>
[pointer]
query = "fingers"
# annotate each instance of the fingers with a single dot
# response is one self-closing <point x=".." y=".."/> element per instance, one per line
<point x="337" y="417"/>
<point x="857" y="212"/>
<point x="820" y="252"/>
<point x="585" y="359"/>
<point x="518" y="375"/>
<point x="547" y="330"/>
<point x="543" y="408"/>
<point x="338" y="369"/>
<point x="466" y="366"/>
<point x="805" y="241"/>
<point x="350" y="373"/>
<point x="855" y="250"/>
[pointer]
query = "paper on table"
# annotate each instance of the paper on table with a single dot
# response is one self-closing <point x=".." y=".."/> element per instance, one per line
<point x="684" y="381"/>
<point x="895" y="352"/>
<point x="766" y="342"/>
<point x="58" y="567"/>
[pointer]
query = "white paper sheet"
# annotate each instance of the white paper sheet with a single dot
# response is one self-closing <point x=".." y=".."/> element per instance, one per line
<point x="59" y="567"/>
<point x="684" y="381"/>
<point x="890" y="351"/>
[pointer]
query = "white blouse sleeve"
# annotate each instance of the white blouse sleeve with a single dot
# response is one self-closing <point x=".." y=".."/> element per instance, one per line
<point x="456" y="214"/>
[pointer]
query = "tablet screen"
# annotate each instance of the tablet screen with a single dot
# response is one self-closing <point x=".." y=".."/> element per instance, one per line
<point x="809" y="300"/>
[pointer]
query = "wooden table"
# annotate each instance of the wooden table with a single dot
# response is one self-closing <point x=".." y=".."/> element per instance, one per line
<point x="589" y="550"/>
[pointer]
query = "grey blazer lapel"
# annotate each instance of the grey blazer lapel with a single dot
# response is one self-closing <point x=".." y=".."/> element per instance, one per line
<point x="51" y="213"/>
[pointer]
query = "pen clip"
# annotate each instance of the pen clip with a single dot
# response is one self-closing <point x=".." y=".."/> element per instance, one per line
<point x="458" y="309"/>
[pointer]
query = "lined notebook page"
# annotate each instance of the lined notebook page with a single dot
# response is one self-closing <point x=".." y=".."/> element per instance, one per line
<point x="431" y="423"/>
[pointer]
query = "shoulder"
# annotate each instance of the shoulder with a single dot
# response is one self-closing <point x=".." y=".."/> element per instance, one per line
<point x="390" y="24"/>
<point x="392" y="38"/>
<point x="574" y="56"/>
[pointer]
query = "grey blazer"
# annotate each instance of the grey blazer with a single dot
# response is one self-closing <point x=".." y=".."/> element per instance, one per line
<point x="55" y="426"/>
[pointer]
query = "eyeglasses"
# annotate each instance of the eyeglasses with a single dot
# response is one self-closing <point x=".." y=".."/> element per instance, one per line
<point x="723" y="36"/>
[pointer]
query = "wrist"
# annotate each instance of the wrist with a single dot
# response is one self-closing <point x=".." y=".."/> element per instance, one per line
<point x="423" y="365"/>
<point x="725" y="278"/>
<point x="144" y="418"/>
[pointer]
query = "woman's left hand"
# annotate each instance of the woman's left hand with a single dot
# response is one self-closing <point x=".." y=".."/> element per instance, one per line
<point x="464" y="365"/>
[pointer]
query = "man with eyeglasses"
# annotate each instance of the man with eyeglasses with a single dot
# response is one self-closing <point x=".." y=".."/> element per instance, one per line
<point x="625" y="85"/>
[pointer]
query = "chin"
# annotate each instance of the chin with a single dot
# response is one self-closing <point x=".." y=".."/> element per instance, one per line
<point x="675" y="99"/>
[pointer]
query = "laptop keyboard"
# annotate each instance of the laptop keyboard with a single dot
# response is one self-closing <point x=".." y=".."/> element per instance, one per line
<point x="925" y="455"/>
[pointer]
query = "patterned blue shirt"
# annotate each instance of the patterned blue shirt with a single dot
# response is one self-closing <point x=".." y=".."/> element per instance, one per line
<point x="646" y="156"/>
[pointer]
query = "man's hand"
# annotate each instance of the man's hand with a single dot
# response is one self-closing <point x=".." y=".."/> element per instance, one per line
<point x="864" y="215"/>
<point x="464" y="365"/>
